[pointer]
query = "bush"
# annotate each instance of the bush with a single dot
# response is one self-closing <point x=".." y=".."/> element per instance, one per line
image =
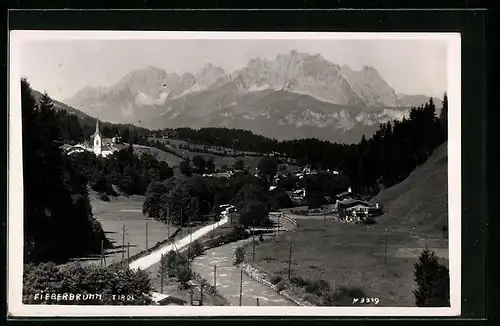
<point x="237" y="233"/>
<point x="312" y="298"/>
<point x="239" y="255"/>
<point x="184" y="275"/>
<point x="299" y="281"/>
<point x="261" y="238"/>
<point x="97" y="284"/>
<point x="342" y="296"/>
<point x="196" y="249"/>
<point x="104" y="197"/>
<point x="317" y="287"/>
<point x="275" y="279"/>
<point x="281" y="286"/>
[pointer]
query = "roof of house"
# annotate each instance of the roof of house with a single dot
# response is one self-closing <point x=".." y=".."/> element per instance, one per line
<point x="160" y="298"/>
<point x="349" y="202"/>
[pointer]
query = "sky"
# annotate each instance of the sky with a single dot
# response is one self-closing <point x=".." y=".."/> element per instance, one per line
<point x="63" y="67"/>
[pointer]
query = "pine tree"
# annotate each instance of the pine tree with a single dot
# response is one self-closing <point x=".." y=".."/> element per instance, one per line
<point x="432" y="281"/>
<point x="443" y="116"/>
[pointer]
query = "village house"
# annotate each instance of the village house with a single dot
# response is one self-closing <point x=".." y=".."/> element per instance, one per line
<point x="356" y="209"/>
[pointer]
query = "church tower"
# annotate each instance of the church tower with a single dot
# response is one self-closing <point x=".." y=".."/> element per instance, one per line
<point x="97" y="140"/>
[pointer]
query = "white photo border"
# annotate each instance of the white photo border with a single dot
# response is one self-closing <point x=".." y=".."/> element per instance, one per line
<point x="15" y="185"/>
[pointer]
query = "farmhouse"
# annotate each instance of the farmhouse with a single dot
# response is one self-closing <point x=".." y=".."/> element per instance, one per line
<point x="357" y="208"/>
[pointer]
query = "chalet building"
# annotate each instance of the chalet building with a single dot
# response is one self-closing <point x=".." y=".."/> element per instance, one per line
<point x="97" y="144"/>
<point x="358" y="209"/>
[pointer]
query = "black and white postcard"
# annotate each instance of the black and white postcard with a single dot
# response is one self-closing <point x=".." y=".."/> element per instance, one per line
<point x="230" y="174"/>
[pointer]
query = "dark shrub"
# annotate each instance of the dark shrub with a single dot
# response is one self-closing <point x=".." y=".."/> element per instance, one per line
<point x="275" y="279"/>
<point x="281" y="286"/>
<point x="196" y="249"/>
<point x="299" y="281"/>
<point x="317" y="287"/>
<point x="239" y="255"/>
<point x="312" y="298"/>
<point x="77" y="278"/>
<point x="104" y="197"/>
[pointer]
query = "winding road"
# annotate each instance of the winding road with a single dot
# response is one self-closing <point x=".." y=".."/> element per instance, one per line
<point x="228" y="277"/>
<point x="155" y="256"/>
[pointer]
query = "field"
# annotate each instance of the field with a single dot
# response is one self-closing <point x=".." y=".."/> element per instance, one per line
<point x="250" y="161"/>
<point x="127" y="211"/>
<point x="350" y="255"/>
<point x="160" y="155"/>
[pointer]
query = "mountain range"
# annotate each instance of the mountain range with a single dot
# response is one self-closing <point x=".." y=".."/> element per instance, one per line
<point x="296" y="95"/>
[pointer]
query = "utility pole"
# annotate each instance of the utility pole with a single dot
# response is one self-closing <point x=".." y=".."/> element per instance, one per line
<point x="253" y="241"/>
<point x="325" y="219"/>
<point x="190" y="239"/>
<point x="278" y="229"/>
<point x="161" y="274"/>
<point x="290" y="262"/>
<point x="147" y="235"/>
<point x="385" y="247"/>
<point x="241" y="285"/>
<point x="128" y="252"/>
<point x="102" y="252"/>
<point x="123" y="242"/>
<point x="215" y="277"/>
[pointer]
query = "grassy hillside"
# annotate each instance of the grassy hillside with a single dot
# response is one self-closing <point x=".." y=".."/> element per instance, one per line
<point x="421" y="200"/>
<point x="160" y="155"/>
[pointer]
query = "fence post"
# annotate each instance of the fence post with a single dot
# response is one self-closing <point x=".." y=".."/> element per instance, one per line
<point x="257" y="302"/>
<point x="290" y="262"/>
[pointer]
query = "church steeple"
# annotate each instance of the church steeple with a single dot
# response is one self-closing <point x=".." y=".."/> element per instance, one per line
<point x="97" y="140"/>
<point x="96" y="127"/>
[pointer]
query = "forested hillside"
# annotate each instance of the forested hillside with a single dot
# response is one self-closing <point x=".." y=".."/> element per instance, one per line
<point x="58" y="221"/>
<point x="372" y="165"/>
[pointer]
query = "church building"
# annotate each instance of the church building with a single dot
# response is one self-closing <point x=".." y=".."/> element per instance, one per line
<point x="98" y="145"/>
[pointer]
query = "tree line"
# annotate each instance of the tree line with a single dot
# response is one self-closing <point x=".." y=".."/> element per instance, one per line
<point x="383" y="160"/>
<point x="130" y="173"/>
<point x="196" y="199"/>
<point x="58" y="220"/>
